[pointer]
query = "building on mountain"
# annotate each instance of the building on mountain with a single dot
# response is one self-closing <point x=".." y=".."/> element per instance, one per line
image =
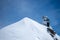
<point x="46" y="21"/>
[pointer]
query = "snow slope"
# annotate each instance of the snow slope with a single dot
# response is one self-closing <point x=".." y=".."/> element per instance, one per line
<point x="25" y="29"/>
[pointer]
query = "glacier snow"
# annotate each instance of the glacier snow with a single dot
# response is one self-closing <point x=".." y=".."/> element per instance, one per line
<point x="25" y="29"/>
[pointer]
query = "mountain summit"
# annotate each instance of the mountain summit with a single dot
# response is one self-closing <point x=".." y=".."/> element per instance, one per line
<point x="25" y="29"/>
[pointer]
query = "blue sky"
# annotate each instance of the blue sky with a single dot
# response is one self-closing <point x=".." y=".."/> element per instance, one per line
<point x="12" y="11"/>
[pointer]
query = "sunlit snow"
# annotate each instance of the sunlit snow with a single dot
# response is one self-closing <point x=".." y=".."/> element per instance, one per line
<point x="25" y="29"/>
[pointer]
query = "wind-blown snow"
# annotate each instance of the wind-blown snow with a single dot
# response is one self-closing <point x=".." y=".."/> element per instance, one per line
<point x="25" y="29"/>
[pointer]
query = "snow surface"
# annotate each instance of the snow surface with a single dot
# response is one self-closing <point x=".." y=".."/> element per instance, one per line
<point x="25" y="29"/>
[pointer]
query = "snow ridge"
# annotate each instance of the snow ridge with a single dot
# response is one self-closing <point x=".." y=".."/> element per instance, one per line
<point x="25" y="29"/>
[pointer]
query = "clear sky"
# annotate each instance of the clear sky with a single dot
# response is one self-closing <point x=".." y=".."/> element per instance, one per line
<point x="12" y="11"/>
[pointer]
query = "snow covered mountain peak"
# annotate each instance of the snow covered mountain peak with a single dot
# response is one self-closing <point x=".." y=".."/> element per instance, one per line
<point x="25" y="29"/>
<point x="26" y="21"/>
<point x="25" y="18"/>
